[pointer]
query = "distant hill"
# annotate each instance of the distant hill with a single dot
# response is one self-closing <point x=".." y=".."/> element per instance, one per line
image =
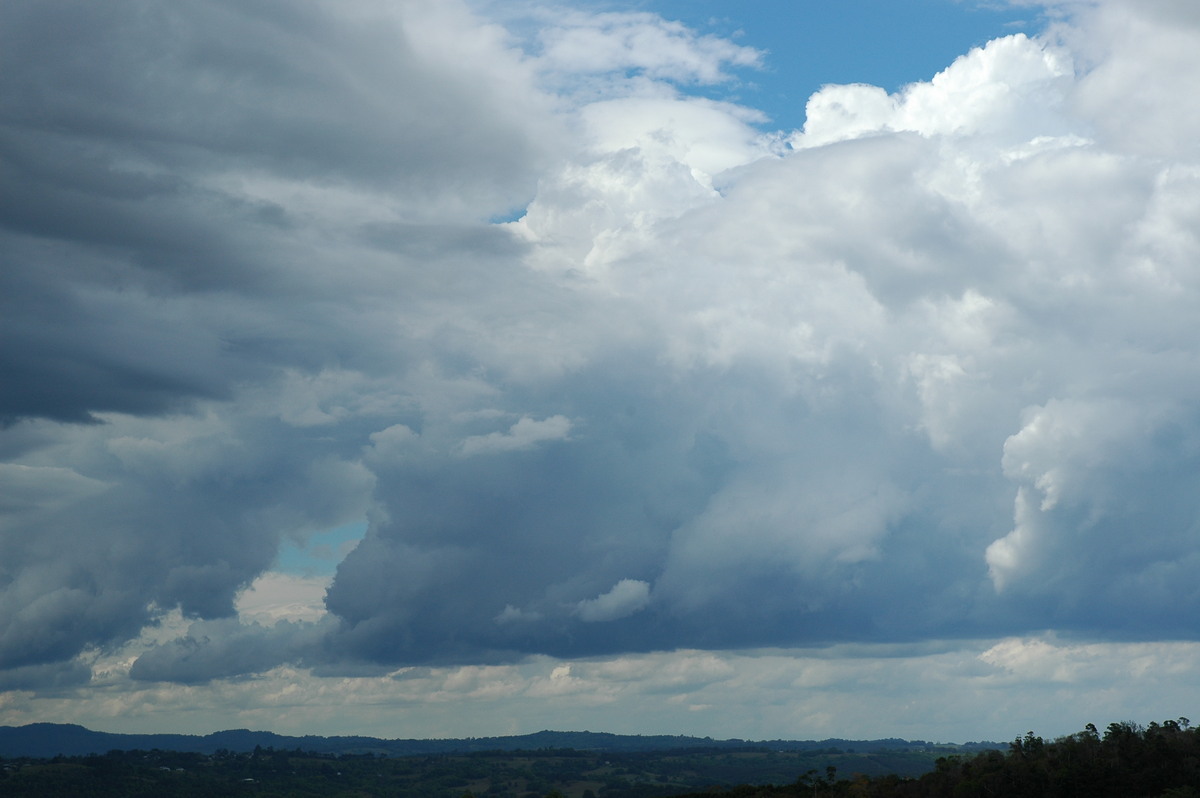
<point x="52" y="739"/>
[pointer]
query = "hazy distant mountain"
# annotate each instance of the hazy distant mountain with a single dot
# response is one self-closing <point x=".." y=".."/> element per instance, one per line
<point x="51" y="739"/>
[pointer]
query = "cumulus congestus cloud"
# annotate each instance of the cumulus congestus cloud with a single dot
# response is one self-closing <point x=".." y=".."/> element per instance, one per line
<point x="921" y="370"/>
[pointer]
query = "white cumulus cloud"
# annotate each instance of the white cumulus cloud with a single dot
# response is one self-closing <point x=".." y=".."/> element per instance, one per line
<point x="524" y="434"/>
<point x="625" y="598"/>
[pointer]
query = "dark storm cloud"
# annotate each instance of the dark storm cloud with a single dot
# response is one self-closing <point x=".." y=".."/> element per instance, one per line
<point x="319" y="92"/>
<point x="47" y="678"/>
<point x="99" y="560"/>
<point x="224" y="648"/>
<point x="205" y="202"/>
<point x="125" y="132"/>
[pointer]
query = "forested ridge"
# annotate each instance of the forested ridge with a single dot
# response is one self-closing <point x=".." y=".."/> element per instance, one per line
<point x="1161" y="760"/>
<point x="44" y="740"/>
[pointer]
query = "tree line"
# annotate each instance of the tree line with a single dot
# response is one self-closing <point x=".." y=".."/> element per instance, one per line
<point x="1127" y="760"/>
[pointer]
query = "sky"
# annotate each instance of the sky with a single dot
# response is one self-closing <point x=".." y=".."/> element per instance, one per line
<point x="432" y="368"/>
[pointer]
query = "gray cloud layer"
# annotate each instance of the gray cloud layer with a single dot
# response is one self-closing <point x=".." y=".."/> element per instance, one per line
<point x="925" y="369"/>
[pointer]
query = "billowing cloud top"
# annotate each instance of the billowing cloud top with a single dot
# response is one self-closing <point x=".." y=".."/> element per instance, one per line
<point x="923" y="369"/>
